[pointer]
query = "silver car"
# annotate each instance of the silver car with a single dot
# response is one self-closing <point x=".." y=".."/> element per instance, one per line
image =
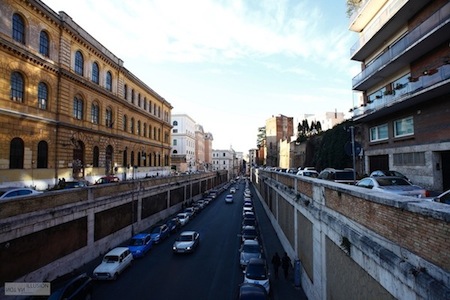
<point x="249" y="249"/>
<point x="186" y="242"/>
<point x="394" y="185"/>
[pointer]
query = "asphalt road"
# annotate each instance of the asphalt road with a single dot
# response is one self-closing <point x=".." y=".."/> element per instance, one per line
<point x="211" y="272"/>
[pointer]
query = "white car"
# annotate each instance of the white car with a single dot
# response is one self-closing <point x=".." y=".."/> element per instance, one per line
<point x="186" y="242"/>
<point x="184" y="218"/>
<point x="114" y="262"/>
<point x="15" y="192"/>
<point x="233" y="190"/>
<point x="229" y="198"/>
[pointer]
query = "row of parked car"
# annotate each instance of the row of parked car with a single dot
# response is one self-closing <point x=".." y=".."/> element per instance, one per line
<point x="385" y="181"/>
<point x="118" y="259"/>
<point x="256" y="283"/>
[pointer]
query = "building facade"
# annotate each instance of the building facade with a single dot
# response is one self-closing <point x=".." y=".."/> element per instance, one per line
<point x="68" y="106"/>
<point x="226" y="160"/>
<point x="402" y="120"/>
<point x="183" y="143"/>
<point x="278" y="128"/>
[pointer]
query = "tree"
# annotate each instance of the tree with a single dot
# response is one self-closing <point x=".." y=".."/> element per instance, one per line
<point x="352" y="6"/>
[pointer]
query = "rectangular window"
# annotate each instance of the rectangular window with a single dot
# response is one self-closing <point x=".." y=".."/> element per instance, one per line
<point x="379" y="133"/>
<point x="409" y="159"/>
<point x="404" y="127"/>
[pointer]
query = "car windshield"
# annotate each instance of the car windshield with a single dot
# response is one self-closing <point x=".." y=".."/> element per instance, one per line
<point x="249" y="232"/>
<point x="137" y="242"/>
<point x="382" y="181"/>
<point x="251" y="249"/>
<point x="185" y="238"/>
<point x="111" y="259"/>
<point x="156" y="230"/>
<point x="256" y="271"/>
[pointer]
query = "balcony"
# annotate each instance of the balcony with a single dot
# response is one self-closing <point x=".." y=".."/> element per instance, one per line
<point x="425" y="37"/>
<point x="425" y="88"/>
<point x="389" y="21"/>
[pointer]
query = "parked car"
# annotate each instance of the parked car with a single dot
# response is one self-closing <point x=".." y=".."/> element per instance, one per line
<point x="186" y="242"/>
<point x="256" y="272"/>
<point x="79" y="287"/>
<point x="442" y="198"/>
<point x="391" y="184"/>
<point x="252" y="291"/>
<point x="191" y="211"/>
<point x="183" y="217"/>
<point x="140" y="244"/>
<point x="249" y="249"/>
<point x="213" y="194"/>
<point x="232" y="190"/>
<point x="173" y="224"/>
<point x="249" y="233"/>
<point x="340" y="176"/>
<point x="229" y="198"/>
<point x="159" y="233"/>
<point x="379" y="173"/>
<point x="107" y="179"/>
<point x="249" y="222"/>
<point x="16" y="192"/>
<point x="308" y="173"/>
<point x="114" y="262"/>
<point x="75" y="184"/>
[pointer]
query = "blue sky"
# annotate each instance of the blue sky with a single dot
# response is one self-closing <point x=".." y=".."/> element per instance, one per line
<point x="230" y="64"/>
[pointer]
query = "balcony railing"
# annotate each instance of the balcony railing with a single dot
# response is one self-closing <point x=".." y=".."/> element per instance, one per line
<point x="401" y="94"/>
<point x="404" y="43"/>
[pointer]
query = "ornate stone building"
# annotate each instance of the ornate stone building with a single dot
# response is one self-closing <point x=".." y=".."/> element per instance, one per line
<point x="68" y="106"/>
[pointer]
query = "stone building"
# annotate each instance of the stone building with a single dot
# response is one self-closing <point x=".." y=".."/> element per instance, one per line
<point x="402" y="119"/>
<point x="68" y="106"/>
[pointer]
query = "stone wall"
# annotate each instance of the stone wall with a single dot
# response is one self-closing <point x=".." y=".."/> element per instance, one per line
<point x="356" y="243"/>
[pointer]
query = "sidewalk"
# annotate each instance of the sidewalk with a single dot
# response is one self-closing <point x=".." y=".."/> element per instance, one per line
<point x="282" y="289"/>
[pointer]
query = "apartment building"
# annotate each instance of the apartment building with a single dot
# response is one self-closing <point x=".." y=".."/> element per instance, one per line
<point x="68" y="106"/>
<point x="403" y="118"/>
<point x="191" y="145"/>
<point x="226" y="160"/>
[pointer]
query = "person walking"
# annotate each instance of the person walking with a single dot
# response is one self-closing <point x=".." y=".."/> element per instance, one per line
<point x="285" y="264"/>
<point x="276" y="262"/>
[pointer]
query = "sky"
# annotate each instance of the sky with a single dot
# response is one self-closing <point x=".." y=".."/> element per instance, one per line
<point x="230" y="64"/>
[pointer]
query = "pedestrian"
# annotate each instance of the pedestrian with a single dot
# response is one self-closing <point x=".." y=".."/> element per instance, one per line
<point x="285" y="264"/>
<point x="276" y="262"/>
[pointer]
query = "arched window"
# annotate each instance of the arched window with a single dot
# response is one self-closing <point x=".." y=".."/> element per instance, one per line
<point x="139" y="99"/>
<point x="149" y="131"/>
<point x="145" y="103"/>
<point x="145" y="130"/>
<point x="42" y="155"/>
<point x="125" y="123"/>
<point x="95" y="157"/>
<point x="175" y="123"/>
<point x="78" y="108"/>
<point x="44" y="44"/>
<point x="132" y="159"/>
<point x="109" y="154"/>
<point x="95" y="73"/>
<point x="109" y="117"/>
<point x="132" y="126"/>
<point x="16" y="151"/>
<point x="108" y="81"/>
<point x="95" y="113"/>
<point x="42" y="95"/>
<point x="79" y="63"/>
<point x="125" y="158"/>
<point x="17" y="87"/>
<point x="18" y="29"/>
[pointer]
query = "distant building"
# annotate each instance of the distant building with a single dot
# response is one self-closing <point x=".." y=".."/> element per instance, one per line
<point x="226" y="160"/>
<point x="278" y="128"/>
<point x="191" y="146"/>
<point x="403" y="120"/>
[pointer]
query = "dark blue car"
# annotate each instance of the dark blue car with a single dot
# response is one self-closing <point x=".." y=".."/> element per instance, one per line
<point x="159" y="233"/>
<point x="140" y="244"/>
